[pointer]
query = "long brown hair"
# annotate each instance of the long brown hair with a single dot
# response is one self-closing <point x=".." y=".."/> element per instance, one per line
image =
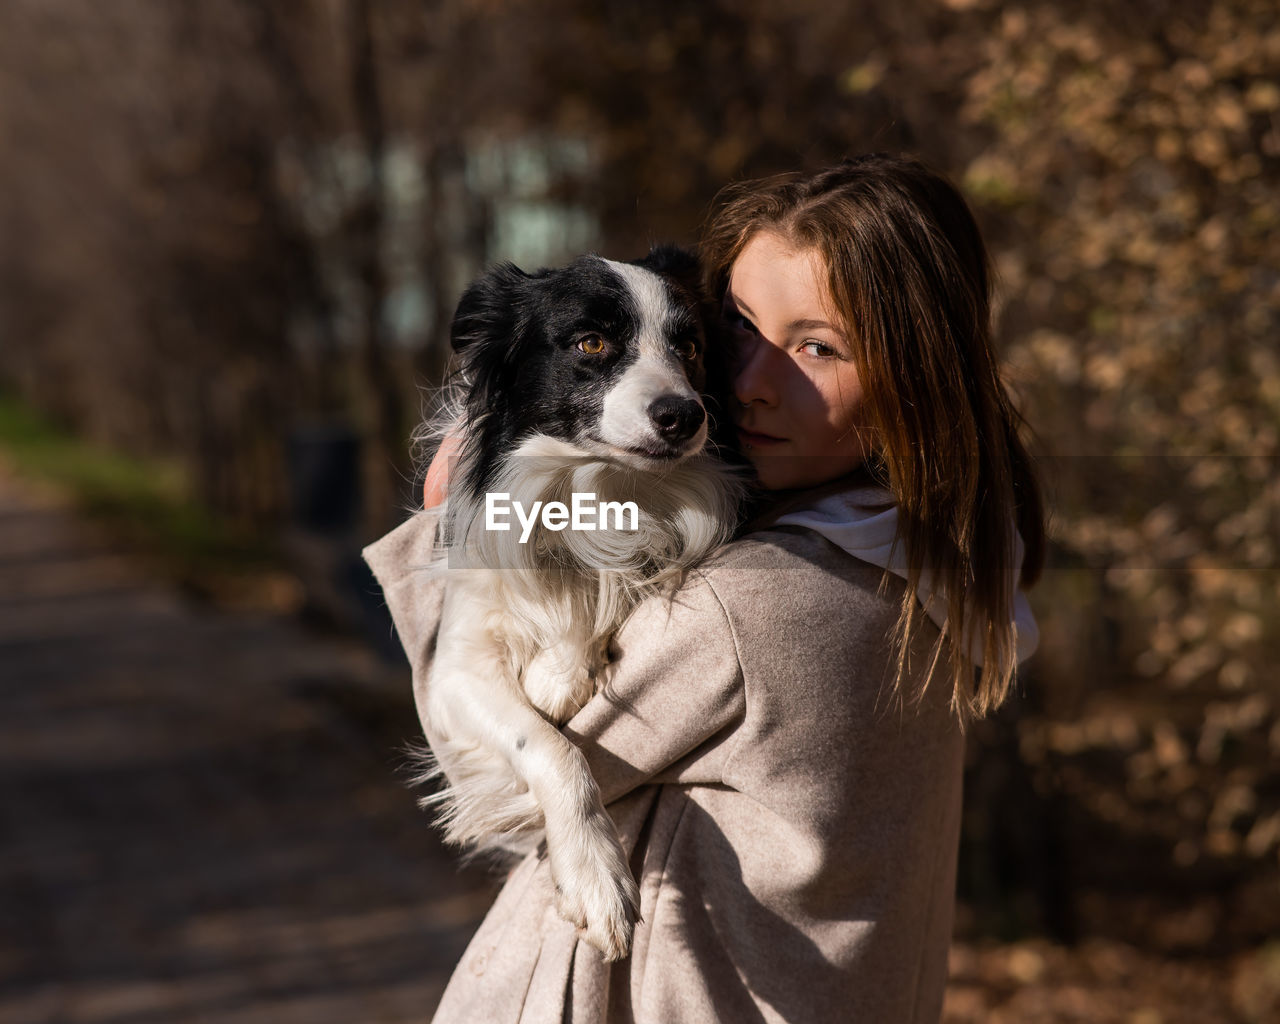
<point x="911" y="281"/>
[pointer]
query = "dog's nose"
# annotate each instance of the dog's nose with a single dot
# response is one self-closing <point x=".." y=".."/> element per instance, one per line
<point x="677" y="419"/>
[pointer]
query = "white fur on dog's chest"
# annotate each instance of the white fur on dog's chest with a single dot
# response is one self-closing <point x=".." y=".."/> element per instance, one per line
<point x="516" y="616"/>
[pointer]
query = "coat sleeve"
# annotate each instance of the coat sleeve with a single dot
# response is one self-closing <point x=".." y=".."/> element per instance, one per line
<point x="673" y="684"/>
<point x="414" y="596"/>
<point x="673" y="699"/>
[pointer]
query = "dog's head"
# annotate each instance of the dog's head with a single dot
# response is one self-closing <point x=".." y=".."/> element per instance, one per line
<point x="611" y="357"/>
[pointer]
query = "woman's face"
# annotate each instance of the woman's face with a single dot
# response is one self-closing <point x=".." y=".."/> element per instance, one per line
<point x="800" y="397"/>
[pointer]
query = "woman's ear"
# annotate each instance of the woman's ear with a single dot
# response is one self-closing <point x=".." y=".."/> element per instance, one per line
<point x="489" y="310"/>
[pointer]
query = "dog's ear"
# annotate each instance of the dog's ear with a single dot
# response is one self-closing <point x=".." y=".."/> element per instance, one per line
<point x="679" y="264"/>
<point x="682" y="267"/>
<point x="489" y="309"/>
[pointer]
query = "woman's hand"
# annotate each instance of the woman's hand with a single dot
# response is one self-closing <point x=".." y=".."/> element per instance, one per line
<point x="436" y="487"/>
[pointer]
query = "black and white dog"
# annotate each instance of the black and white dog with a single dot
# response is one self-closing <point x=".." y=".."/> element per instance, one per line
<point x="588" y="380"/>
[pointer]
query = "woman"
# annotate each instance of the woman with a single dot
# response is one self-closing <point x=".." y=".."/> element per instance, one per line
<point x="781" y="746"/>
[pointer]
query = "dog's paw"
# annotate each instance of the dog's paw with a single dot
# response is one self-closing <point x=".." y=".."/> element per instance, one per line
<point x="603" y="901"/>
<point x="558" y="685"/>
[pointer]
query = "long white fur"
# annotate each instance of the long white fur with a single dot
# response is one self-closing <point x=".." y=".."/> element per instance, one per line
<point x="521" y="648"/>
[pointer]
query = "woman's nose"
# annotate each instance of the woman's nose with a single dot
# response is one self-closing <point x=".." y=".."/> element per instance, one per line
<point x="753" y="378"/>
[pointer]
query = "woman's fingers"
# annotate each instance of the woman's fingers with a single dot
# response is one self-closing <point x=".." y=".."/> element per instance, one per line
<point x="436" y="487"/>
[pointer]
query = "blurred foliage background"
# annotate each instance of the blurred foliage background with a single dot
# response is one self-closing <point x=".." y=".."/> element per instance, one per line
<point x="233" y="235"/>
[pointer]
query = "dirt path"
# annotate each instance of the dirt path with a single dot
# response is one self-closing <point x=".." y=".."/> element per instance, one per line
<point x="200" y="813"/>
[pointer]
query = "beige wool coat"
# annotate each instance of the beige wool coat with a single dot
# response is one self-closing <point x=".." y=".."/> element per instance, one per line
<point x="792" y="824"/>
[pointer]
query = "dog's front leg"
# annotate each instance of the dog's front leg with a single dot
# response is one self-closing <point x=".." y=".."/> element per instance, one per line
<point x="594" y="886"/>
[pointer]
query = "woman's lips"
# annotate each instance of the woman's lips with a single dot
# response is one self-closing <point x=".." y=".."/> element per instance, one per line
<point x="757" y="440"/>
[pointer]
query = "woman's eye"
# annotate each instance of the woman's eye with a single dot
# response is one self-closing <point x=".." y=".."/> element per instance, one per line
<point x="686" y="348"/>
<point x="817" y="348"/>
<point x="738" y="322"/>
<point x="592" y="344"/>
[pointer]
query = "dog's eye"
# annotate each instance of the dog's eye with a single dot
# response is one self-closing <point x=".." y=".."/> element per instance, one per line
<point x="686" y="348"/>
<point x="592" y="344"/>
